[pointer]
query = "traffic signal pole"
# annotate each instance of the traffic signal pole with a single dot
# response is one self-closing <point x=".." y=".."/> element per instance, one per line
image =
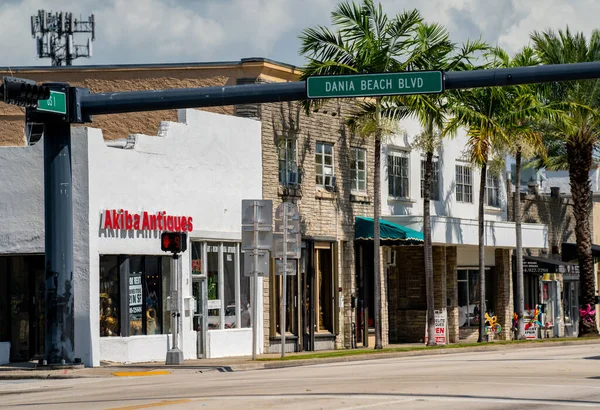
<point x="58" y="218"/>
<point x="82" y="105"/>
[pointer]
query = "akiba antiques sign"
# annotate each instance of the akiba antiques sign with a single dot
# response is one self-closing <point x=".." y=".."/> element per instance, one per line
<point x="120" y="219"/>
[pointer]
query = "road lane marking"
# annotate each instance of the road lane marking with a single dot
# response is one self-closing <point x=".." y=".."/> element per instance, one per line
<point x="155" y="404"/>
<point x="139" y="374"/>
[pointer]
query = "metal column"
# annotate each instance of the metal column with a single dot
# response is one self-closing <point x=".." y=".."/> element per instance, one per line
<point x="58" y="214"/>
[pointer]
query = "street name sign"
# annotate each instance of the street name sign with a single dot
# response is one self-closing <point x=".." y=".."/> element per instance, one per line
<point x="57" y="103"/>
<point x="372" y="85"/>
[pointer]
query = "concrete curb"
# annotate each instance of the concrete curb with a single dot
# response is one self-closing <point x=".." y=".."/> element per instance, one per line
<point x="106" y="372"/>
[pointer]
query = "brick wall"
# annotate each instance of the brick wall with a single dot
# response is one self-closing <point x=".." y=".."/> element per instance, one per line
<point x="504" y="296"/>
<point x="12" y="118"/>
<point x="322" y="213"/>
<point x="407" y="292"/>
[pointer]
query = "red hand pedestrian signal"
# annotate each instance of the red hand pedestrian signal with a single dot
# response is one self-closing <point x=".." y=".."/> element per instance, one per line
<point x="166" y="241"/>
<point x="174" y="242"/>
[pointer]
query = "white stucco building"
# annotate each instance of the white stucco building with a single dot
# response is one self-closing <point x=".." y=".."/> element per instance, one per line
<point x="454" y="225"/>
<point x="195" y="175"/>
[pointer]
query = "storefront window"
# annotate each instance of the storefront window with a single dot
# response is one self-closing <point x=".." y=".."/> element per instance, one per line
<point x="136" y="269"/>
<point x="229" y="261"/>
<point x="214" y="303"/>
<point x="144" y="279"/>
<point x="152" y="285"/>
<point x="468" y="296"/>
<point x="245" y="292"/>
<point x="225" y="281"/>
<point x="109" y="296"/>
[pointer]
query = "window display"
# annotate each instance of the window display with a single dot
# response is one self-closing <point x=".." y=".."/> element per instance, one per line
<point x="145" y="280"/>
<point x="225" y="281"/>
<point x="468" y="296"/>
<point x="109" y="296"/>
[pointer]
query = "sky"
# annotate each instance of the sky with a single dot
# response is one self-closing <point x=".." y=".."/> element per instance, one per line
<point x="169" y="31"/>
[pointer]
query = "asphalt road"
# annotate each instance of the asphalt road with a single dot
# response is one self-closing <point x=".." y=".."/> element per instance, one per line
<point x="549" y="378"/>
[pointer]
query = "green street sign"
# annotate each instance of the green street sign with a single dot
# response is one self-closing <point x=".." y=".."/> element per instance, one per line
<point x="372" y="85"/>
<point x="57" y="103"/>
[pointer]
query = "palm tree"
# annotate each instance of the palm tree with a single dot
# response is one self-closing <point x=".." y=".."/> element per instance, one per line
<point x="522" y="125"/>
<point x="578" y="139"/>
<point x="481" y="112"/>
<point x="431" y="50"/>
<point x="365" y="41"/>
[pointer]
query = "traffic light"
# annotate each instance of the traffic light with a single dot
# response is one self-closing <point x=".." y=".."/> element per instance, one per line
<point x="174" y="242"/>
<point x="23" y="92"/>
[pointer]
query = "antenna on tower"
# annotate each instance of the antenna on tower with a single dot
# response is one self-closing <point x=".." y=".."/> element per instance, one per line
<point x="54" y="36"/>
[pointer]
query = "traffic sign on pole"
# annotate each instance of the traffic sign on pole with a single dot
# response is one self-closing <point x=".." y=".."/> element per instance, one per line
<point x="372" y="85"/>
<point x="286" y="245"/>
<point x="57" y="103"/>
<point x="257" y="230"/>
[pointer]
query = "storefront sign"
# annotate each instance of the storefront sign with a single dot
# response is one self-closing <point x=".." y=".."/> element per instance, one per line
<point x="440" y="327"/>
<point x="531" y="333"/>
<point x="145" y="221"/>
<point x="214" y="304"/>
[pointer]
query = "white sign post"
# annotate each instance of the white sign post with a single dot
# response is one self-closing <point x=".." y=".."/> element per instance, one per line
<point x="286" y="246"/>
<point x="257" y="241"/>
<point x="441" y="327"/>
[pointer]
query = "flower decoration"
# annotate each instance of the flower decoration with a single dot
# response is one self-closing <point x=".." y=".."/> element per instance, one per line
<point x="588" y="315"/>
<point x="534" y="319"/>
<point x="494" y="326"/>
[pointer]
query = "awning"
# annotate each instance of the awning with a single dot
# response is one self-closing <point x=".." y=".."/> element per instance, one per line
<point x="569" y="251"/>
<point x="389" y="231"/>
<point x="536" y="265"/>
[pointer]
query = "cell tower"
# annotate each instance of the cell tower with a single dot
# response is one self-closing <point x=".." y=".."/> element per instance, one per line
<point x="53" y="34"/>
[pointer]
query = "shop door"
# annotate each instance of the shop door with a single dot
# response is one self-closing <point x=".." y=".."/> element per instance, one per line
<point x="200" y="325"/>
<point x="571" y="307"/>
<point x="25" y="283"/>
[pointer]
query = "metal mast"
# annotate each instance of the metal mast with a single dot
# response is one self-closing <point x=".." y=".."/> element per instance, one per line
<point x="54" y="36"/>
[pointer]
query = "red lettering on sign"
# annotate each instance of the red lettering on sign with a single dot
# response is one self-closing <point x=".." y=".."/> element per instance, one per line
<point x="128" y="221"/>
<point x="145" y="222"/>
<point x="107" y="220"/>
<point x="153" y="224"/>
<point x="124" y="220"/>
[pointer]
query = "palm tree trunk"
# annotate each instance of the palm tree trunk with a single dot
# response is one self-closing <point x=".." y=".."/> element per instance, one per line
<point x="376" y="229"/>
<point x="519" y="251"/>
<point x="580" y="161"/>
<point x="428" y="250"/>
<point x="482" y="254"/>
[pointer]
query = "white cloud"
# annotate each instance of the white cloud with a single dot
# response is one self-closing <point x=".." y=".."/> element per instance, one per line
<point x="144" y="31"/>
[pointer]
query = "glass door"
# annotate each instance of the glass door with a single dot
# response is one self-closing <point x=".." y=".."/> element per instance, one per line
<point x="199" y="322"/>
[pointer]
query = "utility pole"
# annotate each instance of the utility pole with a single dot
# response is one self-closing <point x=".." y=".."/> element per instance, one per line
<point x="54" y="36"/>
<point x="67" y="105"/>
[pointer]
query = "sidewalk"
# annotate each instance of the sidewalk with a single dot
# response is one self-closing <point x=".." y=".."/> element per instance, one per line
<point x="269" y="361"/>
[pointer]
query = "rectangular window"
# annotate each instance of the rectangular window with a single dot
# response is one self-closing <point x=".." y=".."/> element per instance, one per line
<point x="214" y="302"/>
<point x="468" y="296"/>
<point x="398" y="177"/>
<point x="464" y="184"/>
<point x="110" y="302"/>
<point x="324" y="164"/>
<point x="358" y="169"/>
<point x="435" y="180"/>
<point x="227" y="287"/>
<point x="288" y="162"/>
<point x="492" y="190"/>
<point x="144" y="280"/>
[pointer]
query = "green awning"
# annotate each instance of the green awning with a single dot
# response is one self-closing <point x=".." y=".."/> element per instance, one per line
<point x="389" y="231"/>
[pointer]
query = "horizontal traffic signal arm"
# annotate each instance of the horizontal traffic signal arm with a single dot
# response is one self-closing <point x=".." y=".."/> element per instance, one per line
<point x="122" y="102"/>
